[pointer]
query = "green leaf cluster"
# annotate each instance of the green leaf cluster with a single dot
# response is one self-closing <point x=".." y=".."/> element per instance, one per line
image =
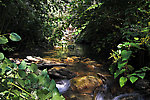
<point x="19" y="82"/>
<point x="24" y="82"/>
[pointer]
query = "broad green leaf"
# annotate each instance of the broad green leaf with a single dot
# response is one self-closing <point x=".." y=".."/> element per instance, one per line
<point x="22" y="73"/>
<point x="22" y="65"/>
<point x="52" y="85"/>
<point x="122" y="81"/>
<point x="2" y="56"/>
<point x="125" y="55"/>
<point x="33" y="67"/>
<point x="42" y="94"/>
<point x="44" y="79"/>
<point x="144" y="69"/>
<point x="32" y="77"/>
<point x="48" y="96"/>
<point x="8" y="62"/>
<point x="141" y="75"/>
<point x="14" y="37"/>
<point x="3" y="40"/>
<point x="4" y="65"/>
<point x="133" y="79"/>
<point x="44" y="72"/>
<point x="121" y="64"/>
<point x="56" y="95"/>
<point x="118" y="72"/>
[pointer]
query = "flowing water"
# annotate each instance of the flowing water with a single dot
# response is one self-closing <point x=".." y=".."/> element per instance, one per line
<point x="88" y="63"/>
<point x="112" y="91"/>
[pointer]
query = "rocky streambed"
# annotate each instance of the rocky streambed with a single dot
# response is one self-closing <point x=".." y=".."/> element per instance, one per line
<point x="81" y="78"/>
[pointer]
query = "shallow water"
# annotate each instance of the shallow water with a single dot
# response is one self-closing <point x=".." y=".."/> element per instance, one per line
<point x="112" y="91"/>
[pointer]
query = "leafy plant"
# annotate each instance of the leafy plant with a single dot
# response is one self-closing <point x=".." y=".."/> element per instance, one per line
<point x="123" y="68"/>
<point x="19" y="82"/>
<point x="135" y="31"/>
<point x="25" y="82"/>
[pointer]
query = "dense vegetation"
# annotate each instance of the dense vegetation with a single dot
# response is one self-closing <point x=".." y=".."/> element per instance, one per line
<point x="120" y="28"/>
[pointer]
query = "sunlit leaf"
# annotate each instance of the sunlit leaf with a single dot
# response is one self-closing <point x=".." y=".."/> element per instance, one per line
<point x="9" y="63"/>
<point x="125" y="55"/>
<point x="22" y="65"/>
<point x="14" y="37"/>
<point x="133" y="79"/>
<point x="42" y="94"/>
<point x="3" y="40"/>
<point x="2" y="56"/>
<point x="56" y="95"/>
<point x="44" y="78"/>
<point x="32" y="77"/>
<point x="122" y="81"/>
<point x="52" y="85"/>
<point x="118" y="72"/>
<point x="141" y="75"/>
<point x="33" y="67"/>
<point x="22" y="73"/>
<point x="4" y="65"/>
<point x="122" y="64"/>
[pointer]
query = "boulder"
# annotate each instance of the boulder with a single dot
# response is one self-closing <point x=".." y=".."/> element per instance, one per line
<point x="143" y="85"/>
<point x="61" y="73"/>
<point x="85" y="84"/>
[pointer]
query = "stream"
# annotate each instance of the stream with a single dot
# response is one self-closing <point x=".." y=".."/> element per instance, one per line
<point x="84" y="62"/>
<point x="87" y="76"/>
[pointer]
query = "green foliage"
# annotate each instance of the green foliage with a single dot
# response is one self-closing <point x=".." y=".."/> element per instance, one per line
<point x="3" y="40"/>
<point x="19" y="82"/>
<point x="122" y="81"/>
<point x="23" y="82"/>
<point x="1" y="56"/>
<point x="135" y="31"/>
<point x="14" y="37"/>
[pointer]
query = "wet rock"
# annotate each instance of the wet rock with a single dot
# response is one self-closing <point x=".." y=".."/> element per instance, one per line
<point x="85" y="84"/>
<point x="143" y="85"/>
<point x="17" y="61"/>
<point x="61" y="73"/>
<point x="98" y="65"/>
<point x="102" y="77"/>
<point x="71" y="95"/>
<point x="69" y="60"/>
<point x="86" y="59"/>
<point x="128" y="96"/>
<point x="30" y="58"/>
<point x="91" y="62"/>
<point x="91" y="66"/>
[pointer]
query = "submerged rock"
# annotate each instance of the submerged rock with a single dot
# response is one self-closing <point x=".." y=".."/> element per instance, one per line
<point x="85" y="84"/>
<point x="128" y="96"/>
<point x="61" y="73"/>
<point x="143" y="85"/>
